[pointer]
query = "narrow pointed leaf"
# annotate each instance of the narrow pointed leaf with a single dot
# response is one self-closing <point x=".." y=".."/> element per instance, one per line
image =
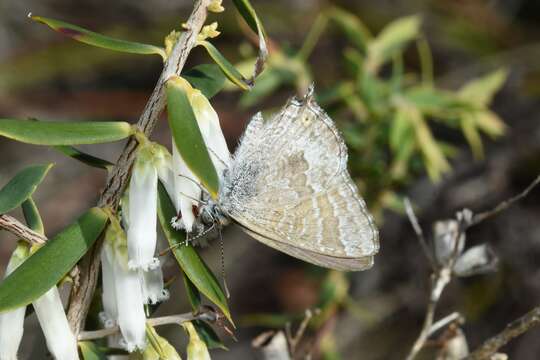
<point x="480" y="91"/>
<point x="193" y="294"/>
<point x="32" y="216"/>
<point x="208" y="335"/>
<point x="472" y="135"/>
<point x="85" y="158"/>
<point x="91" y="351"/>
<point x="250" y="16"/>
<point x="91" y="38"/>
<point x="46" y="267"/>
<point x="187" y="135"/>
<point x="188" y="259"/>
<point x="208" y="78"/>
<point x="392" y="39"/>
<point x="64" y="133"/>
<point x="226" y="67"/>
<point x="490" y="123"/>
<point x="352" y="26"/>
<point x="158" y="347"/>
<point x="22" y="186"/>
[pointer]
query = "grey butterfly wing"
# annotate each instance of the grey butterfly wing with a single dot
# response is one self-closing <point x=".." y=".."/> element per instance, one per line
<point x="289" y="186"/>
<point x="332" y="262"/>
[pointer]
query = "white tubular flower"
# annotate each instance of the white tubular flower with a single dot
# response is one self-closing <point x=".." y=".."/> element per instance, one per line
<point x="163" y="164"/>
<point x="185" y="191"/>
<point x="152" y="286"/>
<point x="211" y="131"/>
<point x="131" y="316"/>
<point x="53" y="321"/>
<point x="12" y="322"/>
<point x="126" y="287"/>
<point x="187" y="185"/>
<point x="142" y="235"/>
<point x="108" y="295"/>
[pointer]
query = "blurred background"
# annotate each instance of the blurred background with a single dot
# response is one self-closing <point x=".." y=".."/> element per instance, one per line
<point x="404" y="141"/>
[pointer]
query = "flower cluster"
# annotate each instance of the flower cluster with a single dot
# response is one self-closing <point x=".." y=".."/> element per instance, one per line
<point x="132" y="275"/>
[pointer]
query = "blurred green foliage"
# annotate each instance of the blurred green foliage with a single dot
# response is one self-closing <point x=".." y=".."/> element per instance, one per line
<point x="387" y="113"/>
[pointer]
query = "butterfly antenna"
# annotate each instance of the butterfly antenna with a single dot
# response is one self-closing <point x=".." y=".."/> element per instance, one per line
<point x="204" y="232"/>
<point x="187" y="240"/>
<point x="217" y="157"/>
<point x="194" y="199"/>
<point x="223" y="275"/>
<point x="196" y="183"/>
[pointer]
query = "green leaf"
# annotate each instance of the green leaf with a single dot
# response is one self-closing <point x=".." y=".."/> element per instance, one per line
<point x="91" y="38"/>
<point x="352" y="26"/>
<point x="250" y="16"/>
<point x="159" y="348"/>
<point x="472" y="135"/>
<point x="392" y="39"/>
<point x="403" y="154"/>
<point x="435" y="161"/>
<point x="226" y="67"/>
<point x="481" y="91"/>
<point x="46" y="267"/>
<point x="208" y="78"/>
<point x="208" y="335"/>
<point x="400" y="130"/>
<point x="193" y="294"/>
<point x="84" y="157"/>
<point x="490" y="123"/>
<point x="91" y="351"/>
<point x="64" y="133"/>
<point x="187" y="135"/>
<point x="22" y="186"/>
<point x="186" y="256"/>
<point x="32" y="216"/>
<point x="436" y="102"/>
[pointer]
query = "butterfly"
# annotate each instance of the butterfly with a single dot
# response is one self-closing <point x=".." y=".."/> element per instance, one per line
<point x="288" y="186"/>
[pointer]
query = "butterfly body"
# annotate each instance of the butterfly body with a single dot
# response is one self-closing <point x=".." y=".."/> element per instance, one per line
<point x="288" y="186"/>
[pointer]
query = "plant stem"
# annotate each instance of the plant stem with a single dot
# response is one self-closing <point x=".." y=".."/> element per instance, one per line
<point x="164" y="320"/>
<point x="478" y="218"/>
<point x="119" y="176"/>
<point x="23" y="232"/>
<point x="512" y="330"/>
<point x="439" y="280"/>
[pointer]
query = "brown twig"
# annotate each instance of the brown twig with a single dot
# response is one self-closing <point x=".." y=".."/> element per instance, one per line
<point x="419" y="233"/>
<point x="439" y="280"/>
<point x="443" y="274"/>
<point x="512" y="330"/>
<point x="159" y="321"/>
<point x="118" y="177"/>
<point x="294" y="340"/>
<point x="477" y="218"/>
<point x="23" y="232"/>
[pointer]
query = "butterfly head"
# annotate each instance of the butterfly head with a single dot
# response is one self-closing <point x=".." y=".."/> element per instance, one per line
<point x="211" y="213"/>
